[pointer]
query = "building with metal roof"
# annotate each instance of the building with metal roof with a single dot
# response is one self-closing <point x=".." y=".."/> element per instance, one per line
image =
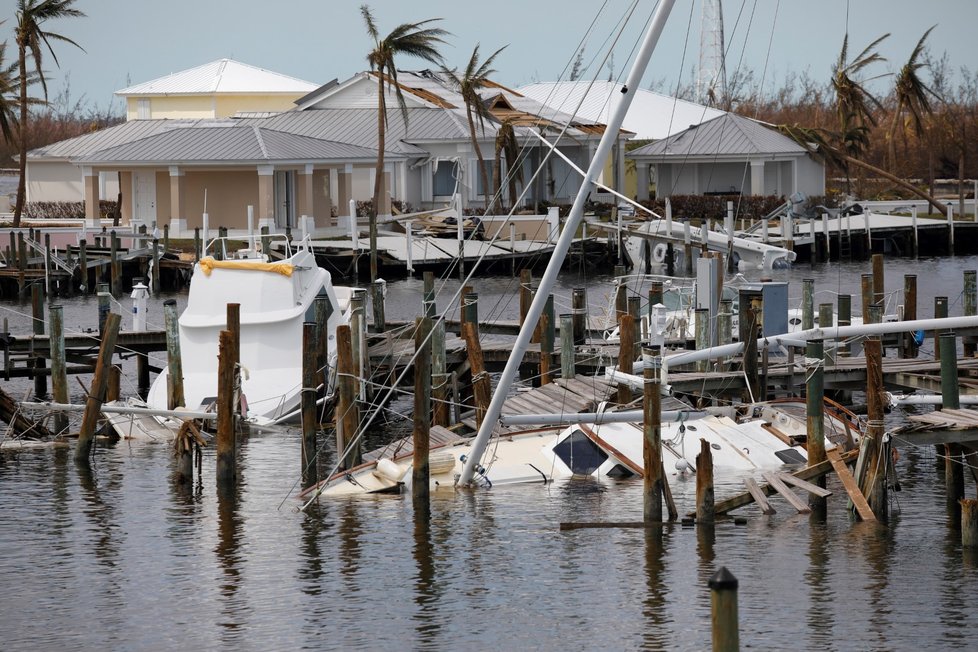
<point x="730" y="154"/>
<point x="218" y="89"/>
<point x="314" y="159"/>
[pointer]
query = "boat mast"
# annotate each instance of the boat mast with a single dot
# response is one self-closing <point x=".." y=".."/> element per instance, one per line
<point x="565" y="240"/>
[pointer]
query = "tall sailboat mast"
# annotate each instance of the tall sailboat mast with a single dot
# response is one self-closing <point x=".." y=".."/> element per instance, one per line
<point x="549" y="277"/>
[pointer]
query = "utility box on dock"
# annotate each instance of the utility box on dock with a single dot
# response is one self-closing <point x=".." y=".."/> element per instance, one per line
<point x="773" y="298"/>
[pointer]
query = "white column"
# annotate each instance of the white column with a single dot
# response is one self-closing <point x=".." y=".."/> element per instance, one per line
<point x="757" y="177"/>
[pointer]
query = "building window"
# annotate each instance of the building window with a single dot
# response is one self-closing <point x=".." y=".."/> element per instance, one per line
<point x="480" y="191"/>
<point x="444" y="178"/>
<point x="142" y="108"/>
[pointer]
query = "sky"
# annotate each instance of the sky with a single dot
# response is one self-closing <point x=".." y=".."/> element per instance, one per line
<point x="131" y="41"/>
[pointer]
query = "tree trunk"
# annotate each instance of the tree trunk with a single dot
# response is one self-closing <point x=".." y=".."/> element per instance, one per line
<point x="891" y="136"/>
<point x="898" y="181"/>
<point x="478" y="154"/>
<point x="379" y="176"/>
<point x="22" y="183"/>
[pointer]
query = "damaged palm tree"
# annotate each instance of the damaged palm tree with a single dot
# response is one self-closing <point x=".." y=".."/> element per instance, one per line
<point x="912" y="96"/>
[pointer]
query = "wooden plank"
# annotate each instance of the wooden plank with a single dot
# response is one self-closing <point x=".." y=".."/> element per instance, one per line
<point x="774" y="481"/>
<point x="849" y="482"/>
<point x="787" y="478"/>
<point x="755" y="490"/>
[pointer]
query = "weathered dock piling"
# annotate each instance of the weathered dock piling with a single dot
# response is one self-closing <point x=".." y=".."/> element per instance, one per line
<point x="951" y="400"/>
<point x="724" y="616"/>
<point x="652" y="446"/>
<point x="815" y="419"/>
<point x="59" y="374"/>
<point x="310" y="373"/>
<point x="421" y="431"/>
<point x="174" y="379"/>
<point x="37" y="323"/>
<point x="705" y="496"/>
<point x="225" y="438"/>
<point x="96" y="393"/>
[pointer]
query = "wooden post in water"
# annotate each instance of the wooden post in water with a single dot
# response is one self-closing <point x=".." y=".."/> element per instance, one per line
<point x="310" y="359"/>
<point x="225" y="411"/>
<point x="626" y="347"/>
<point x="844" y="318"/>
<point x="702" y="336"/>
<point x="579" y="311"/>
<point x="37" y="323"/>
<point x="83" y="265"/>
<point x="969" y="523"/>
<point x="547" y="332"/>
<point x="705" y="498"/>
<point x="322" y="309"/>
<point x="652" y="446"/>
<point x="380" y="320"/>
<point x="155" y="279"/>
<point x="59" y="375"/>
<point x="723" y="601"/>
<point x="940" y="311"/>
<point x="428" y="297"/>
<point x="470" y="310"/>
<point x="635" y="310"/>
<point x="825" y="317"/>
<point x="909" y="313"/>
<point x="951" y="400"/>
<point x="96" y="393"/>
<point x="815" y="420"/>
<point x="174" y="379"/>
<point x="807" y="303"/>
<point x="114" y="388"/>
<point x="104" y="308"/>
<point x="358" y="324"/>
<point x="867" y="295"/>
<point x="879" y="289"/>
<point x="481" y="389"/>
<point x="748" y="333"/>
<point x="464" y="292"/>
<point x="421" y="433"/>
<point x="621" y="293"/>
<point x="873" y="481"/>
<point x="440" y="378"/>
<point x="567" y="346"/>
<point x="115" y="267"/>
<point x="970" y="301"/>
<point x="347" y="413"/>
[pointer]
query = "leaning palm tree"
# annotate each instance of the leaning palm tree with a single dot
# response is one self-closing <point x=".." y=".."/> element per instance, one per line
<point x="912" y="96"/>
<point x="8" y="96"/>
<point x="414" y="39"/>
<point x="508" y="145"/>
<point x="30" y="34"/>
<point x="854" y="104"/>
<point x="468" y="84"/>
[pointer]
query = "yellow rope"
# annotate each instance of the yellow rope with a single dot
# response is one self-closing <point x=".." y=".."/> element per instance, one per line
<point x="208" y="264"/>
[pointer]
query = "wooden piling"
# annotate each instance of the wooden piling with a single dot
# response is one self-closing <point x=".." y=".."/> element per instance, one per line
<point x="969" y="523"/>
<point x="428" y="298"/>
<point x="310" y="359"/>
<point x="702" y="335"/>
<point x="815" y="419"/>
<point x="347" y="413"/>
<point x="225" y="411"/>
<point x="115" y="267"/>
<point x="873" y="480"/>
<point x="970" y="301"/>
<point x="621" y="294"/>
<point x="104" y="307"/>
<point x="174" y="380"/>
<point x="322" y="309"/>
<point x="37" y="326"/>
<point x="358" y="324"/>
<point x="440" y="378"/>
<point x="579" y="311"/>
<point x="635" y="310"/>
<point x="652" y="446"/>
<point x="867" y="295"/>
<point x="266" y="242"/>
<point x="940" y="312"/>
<point x="626" y="348"/>
<point x="380" y="319"/>
<point x="83" y="265"/>
<point x="96" y="393"/>
<point x="879" y="290"/>
<point x="724" y="617"/>
<point x="807" y="303"/>
<point x="197" y="245"/>
<point x="950" y="400"/>
<point x="155" y="278"/>
<point x="655" y="294"/>
<point x="421" y="433"/>
<point x="547" y="334"/>
<point x="567" y="346"/>
<point x="705" y="497"/>
<point x="59" y="375"/>
<point x="114" y="388"/>
<point x="470" y="308"/>
<point x="909" y="348"/>
<point x="749" y="327"/>
<point x="481" y="389"/>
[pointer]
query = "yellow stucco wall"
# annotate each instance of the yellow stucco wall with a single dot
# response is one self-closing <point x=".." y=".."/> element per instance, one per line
<point x="194" y="107"/>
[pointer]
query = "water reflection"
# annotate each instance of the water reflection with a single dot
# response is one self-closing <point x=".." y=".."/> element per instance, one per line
<point x="426" y="590"/>
<point x="657" y="635"/>
<point x="876" y="542"/>
<point x="311" y="572"/>
<point x="821" y="594"/>
<point x="229" y="530"/>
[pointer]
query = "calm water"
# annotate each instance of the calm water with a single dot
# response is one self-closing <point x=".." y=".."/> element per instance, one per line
<point x="123" y="558"/>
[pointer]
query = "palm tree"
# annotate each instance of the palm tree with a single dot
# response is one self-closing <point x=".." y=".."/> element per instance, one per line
<point x="853" y="103"/>
<point x="507" y="144"/>
<point x="8" y="95"/>
<point x="468" y="84"/>
<point x="911" y="95"/>
<point x="414" y="39"/>
<point x="31" y="16"/>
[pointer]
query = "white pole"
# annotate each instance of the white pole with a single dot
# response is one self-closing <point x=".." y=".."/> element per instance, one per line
<point x="205" y="228"/>
<point x="913" y="218"/>
<point x="251" y="227"/>
<point x="975" y="213"/>
<point x="765" y="236"/>
<point x="869" y="232"/>
<point x="825" y="232"/>
<point x="728" y="226"/>
<point x="553" y="220"/>
<point x="629" y="89"/>
<point x="354" y="230"/>
<point x="668" y="217"/>
<point x="950" y="227"/>
<point x="409" y="237"/>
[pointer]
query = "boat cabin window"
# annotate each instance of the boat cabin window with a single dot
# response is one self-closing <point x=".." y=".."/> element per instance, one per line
<point x="581" y="455"/>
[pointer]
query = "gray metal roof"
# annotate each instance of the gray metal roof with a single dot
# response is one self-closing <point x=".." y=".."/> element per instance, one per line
<point x="117" y="135"/>
<point x="727" y="135"/>
<point x="226" y="145"/>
